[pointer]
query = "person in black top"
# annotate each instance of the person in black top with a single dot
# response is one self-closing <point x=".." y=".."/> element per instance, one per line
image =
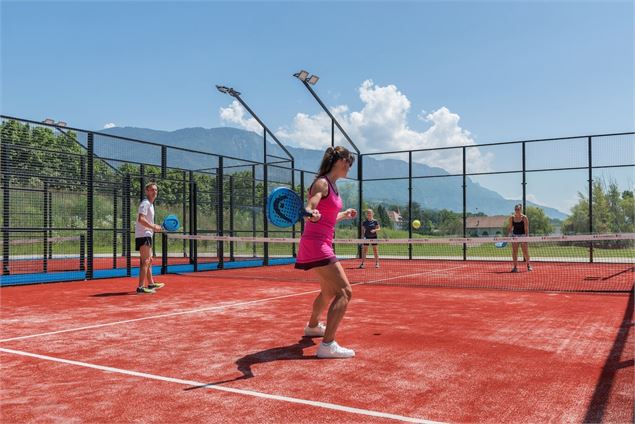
<point x="519" y="227"/>
<point x="370" y="228"/>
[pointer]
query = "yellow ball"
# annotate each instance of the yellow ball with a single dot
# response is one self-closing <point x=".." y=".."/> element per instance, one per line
<point x="416" y="224"/>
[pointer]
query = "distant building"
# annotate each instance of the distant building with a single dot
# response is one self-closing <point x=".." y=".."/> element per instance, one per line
<point x="484" y="226"/>
<point x="395" y="218"/>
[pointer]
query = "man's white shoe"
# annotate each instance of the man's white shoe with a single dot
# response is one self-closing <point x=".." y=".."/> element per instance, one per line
<point x="315" y="331"/>
<point x="334" y="350"/>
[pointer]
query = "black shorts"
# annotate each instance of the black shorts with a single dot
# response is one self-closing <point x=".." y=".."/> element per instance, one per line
<point x="371" y="242"/>
<point x="142" y="241"/>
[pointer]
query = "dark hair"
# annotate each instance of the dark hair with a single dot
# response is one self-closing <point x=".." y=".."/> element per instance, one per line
<point x="331" y="156"/>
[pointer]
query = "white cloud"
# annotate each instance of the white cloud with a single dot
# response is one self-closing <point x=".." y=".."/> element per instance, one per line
<point x="235" y="114"/>
<point x="110" y="125"/>
<point x="381" y="125"/>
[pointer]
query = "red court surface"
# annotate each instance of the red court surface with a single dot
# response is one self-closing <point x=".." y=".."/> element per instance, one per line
<point x="230" y="350"/>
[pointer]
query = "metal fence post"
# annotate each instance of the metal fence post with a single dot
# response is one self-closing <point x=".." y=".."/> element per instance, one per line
<point x="409" y="203"/>
<point x="90" y="187"/>
<point x="127" y="250"/>
<point x="590" y="166"/>
<point x="115" y="194"/>
<point x="6" y="206"/>
<point x="464" y="202"/>
<point x="220" y="206"/>
<point x="360" y="195"/>
<point x="45" y="244"/>
<point x="231" y="216"/>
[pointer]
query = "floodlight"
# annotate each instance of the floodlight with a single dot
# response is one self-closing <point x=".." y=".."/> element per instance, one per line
<point x="48" y="121"/>
<point x="61" y="124"/>
<point x="228" y="90"/>
<point x="302" y="75"/>
<point x="313" y="79"/>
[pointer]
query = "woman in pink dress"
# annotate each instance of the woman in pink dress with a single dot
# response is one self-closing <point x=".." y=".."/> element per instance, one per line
<point x="316" y="251"/>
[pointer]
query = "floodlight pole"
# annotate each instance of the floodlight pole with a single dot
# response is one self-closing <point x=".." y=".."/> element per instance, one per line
<point x="307" y="80"/>
<point x="265" y="223"/>
<point x="236" y="95"/>
<point x="328" y="112"/>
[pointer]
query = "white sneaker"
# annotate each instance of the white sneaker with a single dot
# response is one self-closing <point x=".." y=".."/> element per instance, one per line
<point x="334" y="351"/>
<point x="315" y="331"/>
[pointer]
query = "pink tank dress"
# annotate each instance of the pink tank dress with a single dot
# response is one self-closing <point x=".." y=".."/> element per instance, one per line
<point x="316" y="244"/>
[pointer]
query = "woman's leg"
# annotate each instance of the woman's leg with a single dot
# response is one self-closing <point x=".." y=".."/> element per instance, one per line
<point x="515" y="254"/>
<point x="319" y="304"/>
<point x="364" y="251"/>
<point x="335" y="285"/>
<point x="525" y="248"/>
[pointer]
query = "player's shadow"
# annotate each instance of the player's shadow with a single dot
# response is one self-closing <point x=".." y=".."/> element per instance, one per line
<point x="282" y="353"/>
<point x="114" y="294"/>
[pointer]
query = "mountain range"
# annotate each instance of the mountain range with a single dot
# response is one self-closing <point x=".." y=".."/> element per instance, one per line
<point x="441" y="192"/>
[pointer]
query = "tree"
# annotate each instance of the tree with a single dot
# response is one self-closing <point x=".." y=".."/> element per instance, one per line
<point x="611" y="212"/>
<point x="539" y="223"/>
<point x="382" y="217"/>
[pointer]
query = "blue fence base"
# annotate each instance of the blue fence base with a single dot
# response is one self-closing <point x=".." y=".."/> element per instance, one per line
<point x="54" y="277"/>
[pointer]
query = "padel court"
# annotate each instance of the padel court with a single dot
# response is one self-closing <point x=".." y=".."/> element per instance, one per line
<point x="227" y="346"/>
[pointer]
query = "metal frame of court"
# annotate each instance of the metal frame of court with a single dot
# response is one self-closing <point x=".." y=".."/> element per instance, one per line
<point x="110" y="170"/>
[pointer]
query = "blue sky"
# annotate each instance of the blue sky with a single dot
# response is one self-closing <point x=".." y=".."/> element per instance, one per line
<point x="397" y="74"/>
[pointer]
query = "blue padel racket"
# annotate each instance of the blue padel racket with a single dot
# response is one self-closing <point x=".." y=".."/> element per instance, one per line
<point x="285" y="208"/>
<point x="171" y="223"/>
<point x="501" y="244"/>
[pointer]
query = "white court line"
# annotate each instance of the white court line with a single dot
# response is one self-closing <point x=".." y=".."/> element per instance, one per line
<point x="171" y="314"/>
<point x="191" y="383"/>
<point x="211" y="308"/>
<point x="409" y="275"/>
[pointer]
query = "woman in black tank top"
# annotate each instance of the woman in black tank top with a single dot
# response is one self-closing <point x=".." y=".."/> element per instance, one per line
<point x="519" y="227"/>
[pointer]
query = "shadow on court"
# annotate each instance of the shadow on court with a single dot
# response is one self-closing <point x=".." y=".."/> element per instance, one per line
<point x="129" y="293"/>
<point x="282" y="353"/>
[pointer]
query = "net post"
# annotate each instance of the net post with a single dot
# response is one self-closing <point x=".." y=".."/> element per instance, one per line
<point x="590" y="168"/>
<point x="220" y="206"/>
<point x="410" y="202"/>
<point x="464" y="202"/>
<point x="89" y="204"/>
<point x="45" y="244"/>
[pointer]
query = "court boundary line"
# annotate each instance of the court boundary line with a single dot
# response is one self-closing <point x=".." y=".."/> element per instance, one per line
<point x="201" y="310"/>
<point x="244" y="392"/>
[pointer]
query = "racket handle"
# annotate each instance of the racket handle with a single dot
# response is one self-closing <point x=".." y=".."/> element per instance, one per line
<point x="304" y="213"/>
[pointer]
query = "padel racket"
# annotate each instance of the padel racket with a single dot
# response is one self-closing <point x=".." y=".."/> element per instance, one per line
<point x="171" y="223"/>
<point x="500" y="244"/>
<point x="285" y="208"/>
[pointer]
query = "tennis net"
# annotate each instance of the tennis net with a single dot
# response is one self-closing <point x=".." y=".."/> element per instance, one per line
<point x="603" y="262"/>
